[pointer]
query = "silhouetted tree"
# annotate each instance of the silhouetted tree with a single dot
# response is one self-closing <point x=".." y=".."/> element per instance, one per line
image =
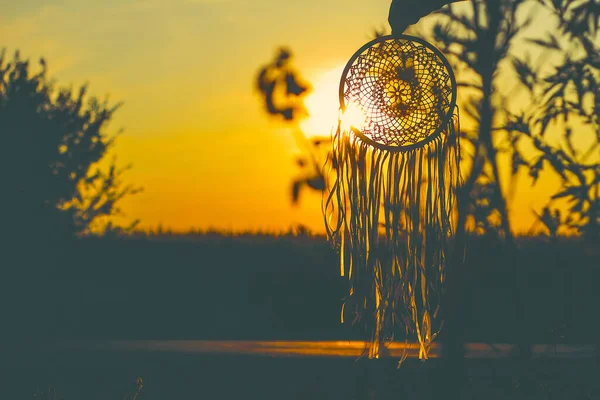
<point x="477" y="42"/>
<point x="283" y="93"/>
<point x="52" y="142"/>
<point x="568" y="103"/>
<point x="480" y="45"/>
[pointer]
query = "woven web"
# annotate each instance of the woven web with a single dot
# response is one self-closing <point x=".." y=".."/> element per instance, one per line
<point x="403" y="89"/>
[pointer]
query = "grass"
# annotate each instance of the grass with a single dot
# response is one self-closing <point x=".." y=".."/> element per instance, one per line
<point x="264" y="287"/>
<point x="272" y="287"/>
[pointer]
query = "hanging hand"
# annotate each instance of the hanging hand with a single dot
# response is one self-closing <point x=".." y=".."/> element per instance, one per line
<point x="407" y="12"/>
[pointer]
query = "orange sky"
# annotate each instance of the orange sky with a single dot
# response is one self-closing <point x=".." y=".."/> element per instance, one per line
<point x="200" y="145"/>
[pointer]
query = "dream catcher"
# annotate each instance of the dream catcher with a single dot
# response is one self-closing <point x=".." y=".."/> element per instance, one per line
<point x="390" y="209"/>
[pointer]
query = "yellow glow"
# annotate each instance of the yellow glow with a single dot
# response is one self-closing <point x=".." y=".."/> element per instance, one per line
<point x="353" y="117"/>
<point x="344" y="348"/>
<point x="323" y="104"/>
<point x="199" y="141"/>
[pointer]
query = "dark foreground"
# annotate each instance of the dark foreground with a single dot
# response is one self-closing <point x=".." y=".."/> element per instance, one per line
<point x="170" y="372"/>
<point x="275" y="288"/>
<point x="280" y="288"/>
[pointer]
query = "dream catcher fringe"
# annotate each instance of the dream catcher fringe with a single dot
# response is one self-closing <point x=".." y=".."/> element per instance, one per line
<point x="390" y="209"/>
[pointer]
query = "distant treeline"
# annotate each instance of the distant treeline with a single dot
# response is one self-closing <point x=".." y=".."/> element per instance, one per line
<point x="275" y="287"/>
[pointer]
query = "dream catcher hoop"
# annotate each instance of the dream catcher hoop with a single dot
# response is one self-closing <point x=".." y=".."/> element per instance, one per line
<point x="405" y="88"/>
<point x="396" y="158"/>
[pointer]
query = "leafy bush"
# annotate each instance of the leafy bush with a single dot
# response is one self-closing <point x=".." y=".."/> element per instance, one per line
<point x="53" y="141"/>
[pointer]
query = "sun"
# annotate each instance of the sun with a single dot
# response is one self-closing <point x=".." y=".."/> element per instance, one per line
<point x="323" y="104"/>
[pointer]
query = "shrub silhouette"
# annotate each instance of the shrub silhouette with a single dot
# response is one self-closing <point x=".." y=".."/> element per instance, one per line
<point x="52" y="141"/>
<point x="568" y="103"/>
<point x="282" y="91"/>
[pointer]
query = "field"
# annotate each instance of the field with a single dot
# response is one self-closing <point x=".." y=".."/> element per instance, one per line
<point x="220" y="287"/>
<point x="274" y="287"/>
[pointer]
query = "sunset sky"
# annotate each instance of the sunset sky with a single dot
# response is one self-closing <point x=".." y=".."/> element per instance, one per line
<point x="201" y="146"/>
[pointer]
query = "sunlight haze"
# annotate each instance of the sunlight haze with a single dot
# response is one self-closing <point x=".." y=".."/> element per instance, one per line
<point x="195" y="132"/>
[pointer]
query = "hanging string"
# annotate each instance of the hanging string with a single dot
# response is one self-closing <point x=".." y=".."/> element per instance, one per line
<point x="390" y="216"/>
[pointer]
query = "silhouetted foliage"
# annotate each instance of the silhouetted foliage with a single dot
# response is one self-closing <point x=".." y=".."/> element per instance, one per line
<point x="568" y="102"/>
<point x="282" y="91"/>
<point x="483" y="215"/>
<point x="479" y="44"/>
<point x="311" y="166"/>
<point x="53" y="141"/>
<point x="476" y="44"/>
<point x="281" y="87"/>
